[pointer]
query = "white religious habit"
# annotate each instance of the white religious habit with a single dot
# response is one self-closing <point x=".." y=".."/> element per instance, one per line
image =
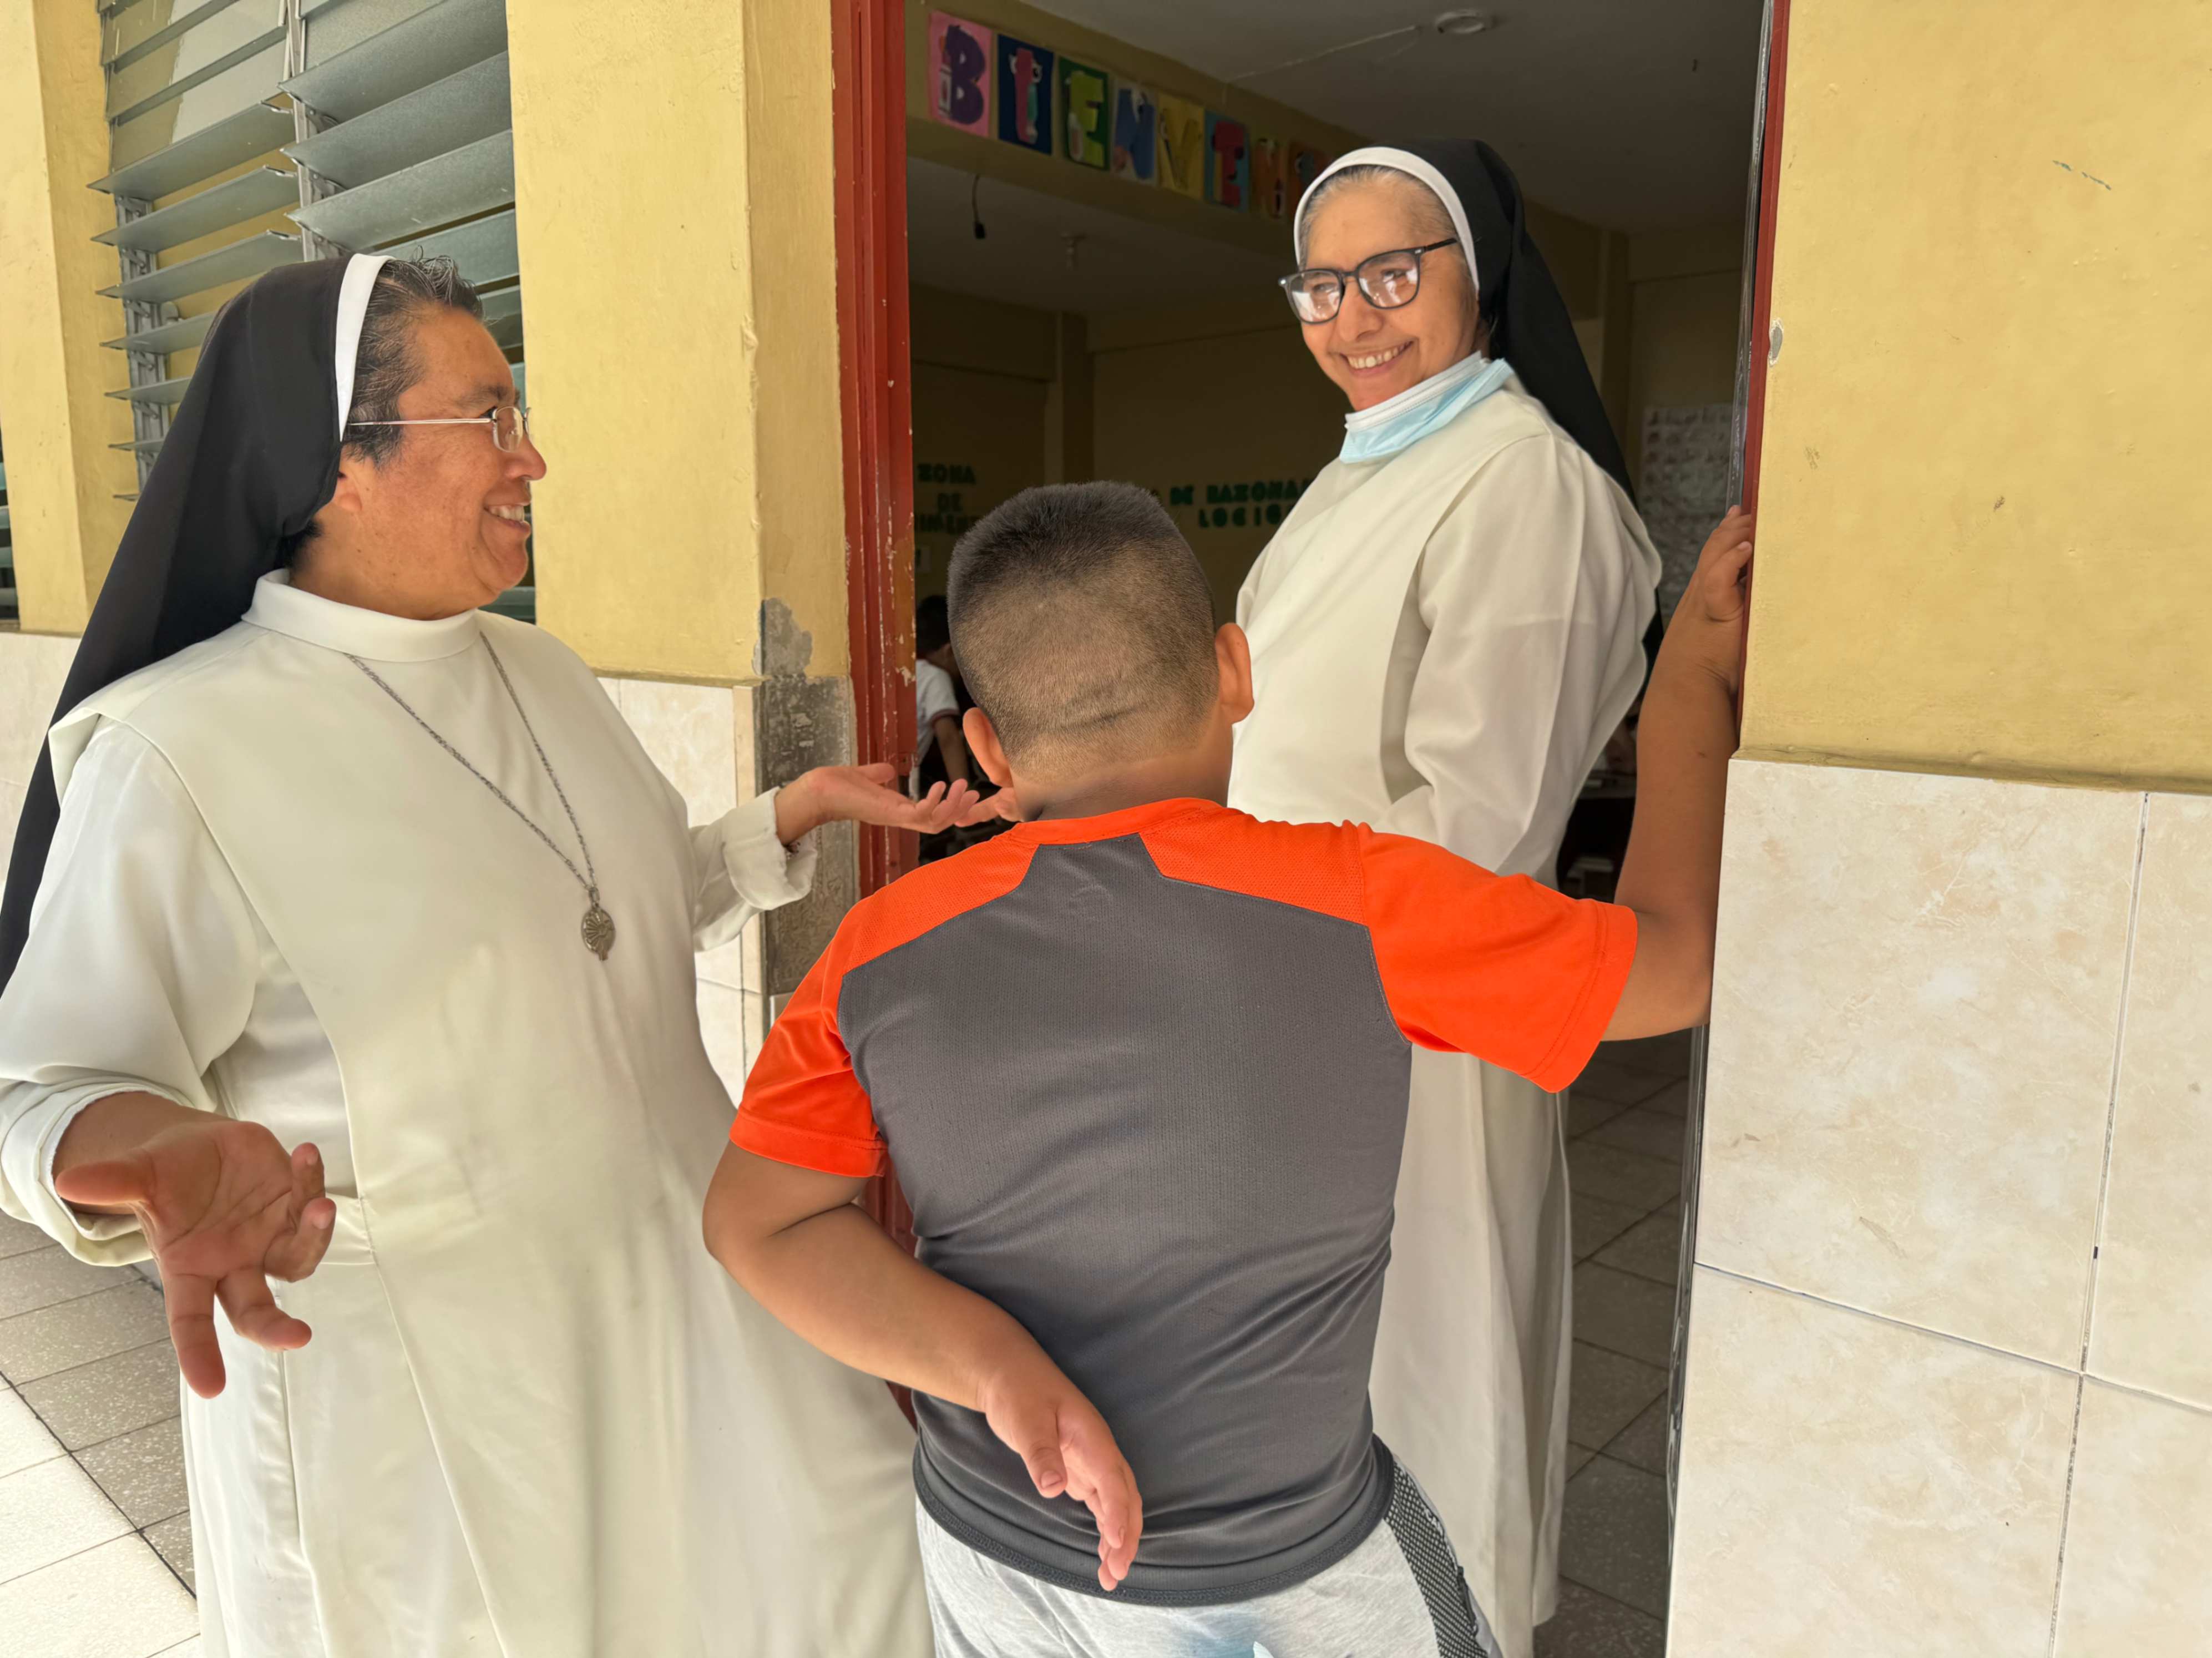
<point x="1442" y="640"/>
<point x="535" y="1418"/>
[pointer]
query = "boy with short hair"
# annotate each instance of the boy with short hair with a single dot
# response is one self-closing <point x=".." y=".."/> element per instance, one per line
<point x="1153" y="1182"/>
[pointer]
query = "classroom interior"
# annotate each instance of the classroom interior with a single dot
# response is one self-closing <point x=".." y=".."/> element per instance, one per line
<point x="1070" y="321"/>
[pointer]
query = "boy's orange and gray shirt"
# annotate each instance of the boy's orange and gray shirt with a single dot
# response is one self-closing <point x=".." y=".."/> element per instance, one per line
<point x="1144" y="1077"/>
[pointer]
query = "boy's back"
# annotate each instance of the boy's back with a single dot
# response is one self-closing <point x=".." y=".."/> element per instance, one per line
<point x="1144" y="1077"/>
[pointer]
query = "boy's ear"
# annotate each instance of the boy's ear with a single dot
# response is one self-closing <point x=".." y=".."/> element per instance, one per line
<point x="1232" y="660"/>
<point x="983" y="743"/>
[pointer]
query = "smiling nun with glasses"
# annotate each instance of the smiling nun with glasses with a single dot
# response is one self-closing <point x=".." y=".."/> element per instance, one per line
<point x="359" y="991"/>
<point x="1444" y="632"/>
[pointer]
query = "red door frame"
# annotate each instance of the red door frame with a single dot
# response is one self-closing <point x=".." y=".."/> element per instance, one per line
<point x="875" y="394"/>
<point x="868" y="62"/>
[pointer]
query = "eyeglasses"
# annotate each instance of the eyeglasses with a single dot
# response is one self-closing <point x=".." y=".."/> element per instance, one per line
<point x="509" y="423"/>
<point x="1387" y="280"/>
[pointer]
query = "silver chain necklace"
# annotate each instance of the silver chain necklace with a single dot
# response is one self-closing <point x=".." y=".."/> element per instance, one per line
<point x="598" y="926"/>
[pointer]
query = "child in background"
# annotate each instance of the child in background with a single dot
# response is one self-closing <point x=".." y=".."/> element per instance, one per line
<point x="1153" y="1177"/>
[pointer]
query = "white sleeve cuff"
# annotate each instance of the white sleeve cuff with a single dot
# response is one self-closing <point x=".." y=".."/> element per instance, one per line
<point x="26" y="1170"/>
<point x="757" y="871"/>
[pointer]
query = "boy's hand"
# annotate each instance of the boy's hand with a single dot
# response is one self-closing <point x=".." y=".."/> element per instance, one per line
<point x="1707" y="628"/>
<point x="1069" y="1451"/>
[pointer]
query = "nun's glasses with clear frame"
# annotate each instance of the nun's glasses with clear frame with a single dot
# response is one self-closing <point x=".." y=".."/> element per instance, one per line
<point x="509" y="423"/>
<point x="1387" y="280"/>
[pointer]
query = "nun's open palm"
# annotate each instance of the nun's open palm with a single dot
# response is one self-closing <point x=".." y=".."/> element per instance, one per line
<point x="225" y="1209"/>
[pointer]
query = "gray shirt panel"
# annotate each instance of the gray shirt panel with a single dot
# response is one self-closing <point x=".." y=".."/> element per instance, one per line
<point x="1159" y="1123"/>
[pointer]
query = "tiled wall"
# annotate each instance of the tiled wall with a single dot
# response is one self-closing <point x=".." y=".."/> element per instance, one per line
<point x="1949" y="1384"/>
<point x="31" y="667"/>
<point x="702" y="738"/>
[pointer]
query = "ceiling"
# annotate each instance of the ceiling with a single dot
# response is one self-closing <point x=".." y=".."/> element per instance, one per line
<point x="1631" y="115"/>
<point x="1120" y="264"/>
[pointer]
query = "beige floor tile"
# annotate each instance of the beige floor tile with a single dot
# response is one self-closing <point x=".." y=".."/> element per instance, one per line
<point x="1672" y="1101"/>
<point x="2139" y="1531"/>
<point x="1592" y="1625"/>
<point x="173" y="1541"/>
<point x="23" y="1438"/>
<point x="142" y="1472"/>
<point x="1651" y="1248"/>
<point x="19" y="1237"/>
<point x="1850" y="1486"/>
<point x="1904" y="961"/>
<point x="117" y="1600"/>
<point x="1577" y="1457"/>
<point x="1643" y="1443"/>
<point x="110" y="1396"/>
<point x="1624" y="1314"/>
<point x="1597" y="1223"/>
<point x="1621" y="1176"/>
<point x="50" y="1511"/>
<point x="192" y="1648"/>
<point x="43" y="1278"/>
<point x="1614" y="1536"/>
<point x="2152" y="1324"/>
<point x="1606" y="1391"/>
<point x="1654" y="1133"/>
<point x="55" y="1339"/>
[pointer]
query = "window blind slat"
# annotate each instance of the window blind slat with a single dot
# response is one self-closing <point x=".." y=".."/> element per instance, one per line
<point x="405" y="58"/>
<point x="471" y="179"/>
<point x="443" y="116"/>
<point x="254" y="130"/>
<point x="232" y="201"/>
<point x="248" y="258"/>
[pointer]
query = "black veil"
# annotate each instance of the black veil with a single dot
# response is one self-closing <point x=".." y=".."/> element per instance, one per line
<point x="250" y="458"/>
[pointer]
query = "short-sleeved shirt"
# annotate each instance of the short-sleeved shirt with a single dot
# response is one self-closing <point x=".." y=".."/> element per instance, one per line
<point x="1144" y="1077"/>
<point x="933" y="699"/>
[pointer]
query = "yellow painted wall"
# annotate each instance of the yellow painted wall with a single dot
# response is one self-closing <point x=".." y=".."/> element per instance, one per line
<point x="1210" y="398"/>
<point x="673" y="172"/>
<point x="1984" y="513"/>
<point x="1686" y="298"/>
<point x="61" y="478"/>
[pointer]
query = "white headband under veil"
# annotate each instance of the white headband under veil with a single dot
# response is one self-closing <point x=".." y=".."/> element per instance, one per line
<point x="352" y="307"/>
<point x="1398" y="160"/>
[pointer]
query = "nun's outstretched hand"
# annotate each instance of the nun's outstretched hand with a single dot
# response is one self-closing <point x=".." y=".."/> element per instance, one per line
<point x="866" y="794"/>
<point x="224" y="1207"/>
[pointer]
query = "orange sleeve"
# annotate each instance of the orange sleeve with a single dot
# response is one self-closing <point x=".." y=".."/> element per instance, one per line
<point x="803" y="1104"/>
<point x="1501" y="967"/>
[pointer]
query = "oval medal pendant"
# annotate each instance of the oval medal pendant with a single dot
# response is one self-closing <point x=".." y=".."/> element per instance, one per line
<point x="598" y="930"/>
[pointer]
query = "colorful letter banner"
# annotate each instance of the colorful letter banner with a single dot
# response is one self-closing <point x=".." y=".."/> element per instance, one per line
<point x="1306" y="166"/>
<point x="960" y="64"/>
<point x="1025" y="95"/>
<point x="1228" y="162"/>
<point x="1136" y="134"/>
<point x="1086" y="112"/>
<point x="1270" y="195"/>
<point x="1182" y="146"/>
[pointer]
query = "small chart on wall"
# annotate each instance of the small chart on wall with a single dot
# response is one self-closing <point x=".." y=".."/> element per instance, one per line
<point x="1684" y="490"/>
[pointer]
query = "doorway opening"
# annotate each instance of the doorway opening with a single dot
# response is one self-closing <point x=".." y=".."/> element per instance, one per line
<point x="1078" y="311"/>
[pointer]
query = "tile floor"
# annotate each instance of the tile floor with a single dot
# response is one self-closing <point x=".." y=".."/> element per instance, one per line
<point x="95" y="1544"/>
<point x="1625" y="1129"/>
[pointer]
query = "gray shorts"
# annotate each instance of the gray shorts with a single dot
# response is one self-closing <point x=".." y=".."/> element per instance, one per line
<point x="1399" y="1595"/>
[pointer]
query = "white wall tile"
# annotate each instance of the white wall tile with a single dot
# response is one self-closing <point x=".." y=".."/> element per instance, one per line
<point x="49" y="1511"/>
<point x="2152" y="1324"/>
<point x="1850" y="1486"/>
<point x="2134" y="1580"/>
<point x="1915" y="1013"/>
<point x="24" y="1440"/>
<point x="32" y="668"/>
<point x="689" y="731"/>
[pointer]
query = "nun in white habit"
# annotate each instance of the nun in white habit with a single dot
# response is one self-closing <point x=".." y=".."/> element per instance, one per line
<point x="360" y="971"/>
<point x="1444" y="632"/>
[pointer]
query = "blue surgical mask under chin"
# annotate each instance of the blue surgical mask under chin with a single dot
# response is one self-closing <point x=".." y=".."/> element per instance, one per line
<point x="1399" y="422"/>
